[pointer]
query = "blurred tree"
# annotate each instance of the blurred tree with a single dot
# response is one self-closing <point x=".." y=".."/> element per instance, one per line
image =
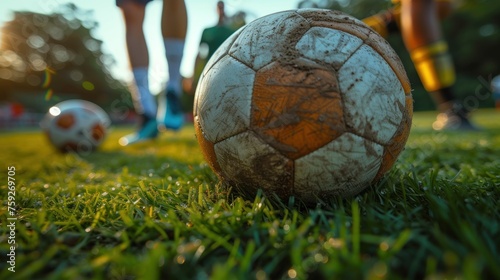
<point x="473" y="35"/>
<point x="48" y="58"/>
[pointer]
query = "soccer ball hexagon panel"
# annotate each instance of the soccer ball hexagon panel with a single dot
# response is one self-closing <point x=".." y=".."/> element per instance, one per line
<point x="310" y="103"/>
<point x="76" y="126"/>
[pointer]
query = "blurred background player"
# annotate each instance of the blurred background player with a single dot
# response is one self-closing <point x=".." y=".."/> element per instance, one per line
<point x="173" y="27"/>
<point x="419" y="24"/>
<point x="211" y="39"/>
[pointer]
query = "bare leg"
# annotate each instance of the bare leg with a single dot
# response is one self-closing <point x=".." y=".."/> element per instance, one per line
<point x="422" y="36"/>
<point x="174" y="19"/>
<point x="174" y="29"/>
<point x="421" y="31"/>
<point x="144" y="103"/>
<point x="390" y="20"/>
<point x="133" y="15"/>
<point x="420" y="23"/>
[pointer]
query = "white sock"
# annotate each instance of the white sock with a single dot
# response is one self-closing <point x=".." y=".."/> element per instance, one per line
<point x="145" y="98"/>
<point x="174" y="50"/>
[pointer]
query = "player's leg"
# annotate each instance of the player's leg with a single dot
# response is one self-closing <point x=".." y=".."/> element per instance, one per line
<point x="389" y="21"/>
<point x="422" y="36"/>
<point x="174" y="29"/>
<point x="144" y="102"/>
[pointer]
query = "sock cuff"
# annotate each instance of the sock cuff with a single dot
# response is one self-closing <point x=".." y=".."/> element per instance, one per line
<point x="141" y="74"/>
<point x="431" y="50"/>
<point x="174" y="46"/>
<point x="140" y="70"/>
<point x="434" y="66"/>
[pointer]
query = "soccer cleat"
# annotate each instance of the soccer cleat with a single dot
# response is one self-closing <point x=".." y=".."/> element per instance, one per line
<point x="170" y="114"/>
<point x="148" y="129"/>
<point x="454" y="119"/>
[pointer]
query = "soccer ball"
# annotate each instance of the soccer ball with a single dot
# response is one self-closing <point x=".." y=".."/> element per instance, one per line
<point x="76" y="126"/>
<point x="308" y="103"/>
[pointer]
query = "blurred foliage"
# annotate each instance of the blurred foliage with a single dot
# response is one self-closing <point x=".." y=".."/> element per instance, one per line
<point x="473" y="35"/>
<point x="45" y="59"/>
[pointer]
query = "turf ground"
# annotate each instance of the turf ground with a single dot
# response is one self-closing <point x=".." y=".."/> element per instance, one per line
<point x="155" y="210"/>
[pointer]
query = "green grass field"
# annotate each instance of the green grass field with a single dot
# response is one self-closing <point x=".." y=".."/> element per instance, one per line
<point x="156" y="210"/>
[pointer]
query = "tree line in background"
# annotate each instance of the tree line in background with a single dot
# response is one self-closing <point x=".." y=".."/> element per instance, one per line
<point x="48" y="58"/>
<point x="45" y="59"/>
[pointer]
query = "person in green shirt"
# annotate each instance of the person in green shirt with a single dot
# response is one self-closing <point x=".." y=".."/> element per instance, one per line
<point x="211" y="38"/>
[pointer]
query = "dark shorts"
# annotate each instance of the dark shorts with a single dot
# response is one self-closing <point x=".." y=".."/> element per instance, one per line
<point x="119" y="2"/>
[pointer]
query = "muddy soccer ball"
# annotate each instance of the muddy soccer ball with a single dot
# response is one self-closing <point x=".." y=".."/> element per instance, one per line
<point x="307" y="103"/>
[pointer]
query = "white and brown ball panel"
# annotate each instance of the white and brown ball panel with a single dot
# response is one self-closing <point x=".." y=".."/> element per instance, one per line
<point x="373" y="95"/>
<point x="336" y="20"/>
<point x="328" y="46"/>
<point x="255" y="163"/>
<point x="296" y="107"/>
<point x="396" y="145"/>
<point x="270" y="39"/>
<point x="207" y="147"/>
<point x="382" y="47"/>
<point x="224" y="107"/>
<point x="218" y="55"/>
<point x="336" y="167"/>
